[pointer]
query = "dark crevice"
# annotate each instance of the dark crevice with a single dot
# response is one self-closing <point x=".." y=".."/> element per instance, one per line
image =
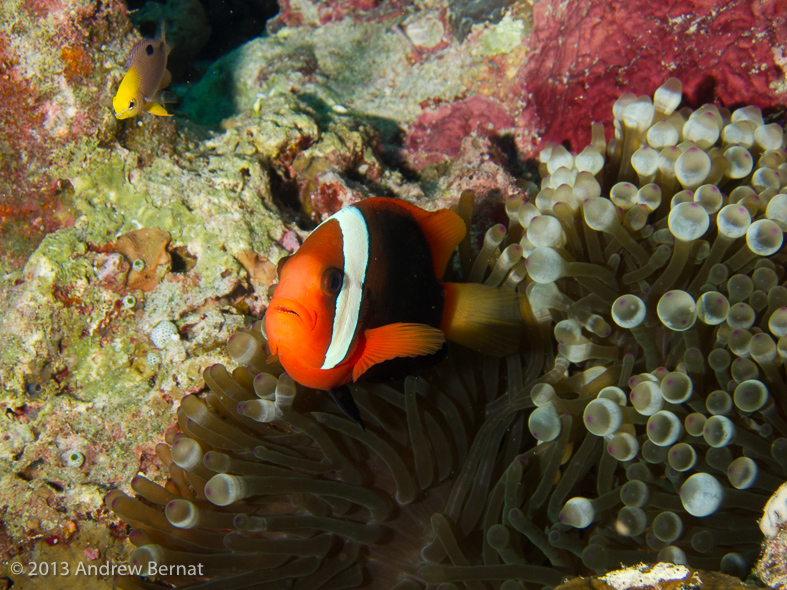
<point x="182" y="260"/>
<point x="232" y="23"/>
<point x="55" y="486"/>
<point x="285" y="193"/>
<point x="28" y="473"/>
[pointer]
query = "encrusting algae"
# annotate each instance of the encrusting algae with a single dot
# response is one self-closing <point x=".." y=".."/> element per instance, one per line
<point x="653" y="431"/>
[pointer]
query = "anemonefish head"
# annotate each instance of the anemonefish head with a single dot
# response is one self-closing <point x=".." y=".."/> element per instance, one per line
<point x="310" y="321"/>
<point x="299" y="315"/>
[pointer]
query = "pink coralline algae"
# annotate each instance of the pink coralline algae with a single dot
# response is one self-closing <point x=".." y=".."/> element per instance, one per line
<point x="438" y="133"/>
<point x="48" y="109"/>
<point x="580" y="56"/>
<point x="584" y="54"/>
<point x="289" y="241"/>
<point x="483" y="169"/>
<point x="331" y="193"/>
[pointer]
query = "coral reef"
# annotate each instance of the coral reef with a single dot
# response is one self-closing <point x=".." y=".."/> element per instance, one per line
<point x="659" y="416"/>
<point x="536" y="74"/>
<point x="54" y="75"/>
<point x="80" y="373"/>
<point x="343" y="100"/>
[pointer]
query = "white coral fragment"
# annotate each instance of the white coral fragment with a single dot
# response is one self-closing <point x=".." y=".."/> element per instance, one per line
<point x="774" y="514"/>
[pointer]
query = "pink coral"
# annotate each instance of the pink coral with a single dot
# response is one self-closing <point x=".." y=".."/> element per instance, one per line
<point x="289" y="241"/>
<point x="584" y="54"/>
<point x="438" y="133"/>
<point x="332" y="193"/>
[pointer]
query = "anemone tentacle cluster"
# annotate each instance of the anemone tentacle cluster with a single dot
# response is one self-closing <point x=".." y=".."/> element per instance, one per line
<point x="653" y="430"/>
<point x="661" y="274"/>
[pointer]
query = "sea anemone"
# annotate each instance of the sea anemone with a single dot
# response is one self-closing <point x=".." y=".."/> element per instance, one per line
<point x="653" y="264"/>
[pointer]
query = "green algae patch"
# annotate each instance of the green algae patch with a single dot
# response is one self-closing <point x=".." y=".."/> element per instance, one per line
<point x="110" y="206"/>
<point x="504" y="37"/>
<point x="215" y="209"/>
<point x="79" y="371"/>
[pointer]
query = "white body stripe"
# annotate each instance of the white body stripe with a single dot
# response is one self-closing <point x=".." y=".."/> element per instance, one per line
<point x="355" y="247"/>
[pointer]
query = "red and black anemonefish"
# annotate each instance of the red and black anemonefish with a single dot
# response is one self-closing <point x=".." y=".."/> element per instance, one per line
<point x="363" y="298"/>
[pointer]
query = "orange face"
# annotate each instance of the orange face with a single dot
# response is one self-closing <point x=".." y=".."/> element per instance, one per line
<point x="299" y="320"/>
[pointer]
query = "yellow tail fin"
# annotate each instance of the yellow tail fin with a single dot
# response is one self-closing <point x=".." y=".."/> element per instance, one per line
<point x="485" y="319"/>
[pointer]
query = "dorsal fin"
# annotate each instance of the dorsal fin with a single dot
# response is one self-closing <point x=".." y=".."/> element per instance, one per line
<point x="443" y="230"/>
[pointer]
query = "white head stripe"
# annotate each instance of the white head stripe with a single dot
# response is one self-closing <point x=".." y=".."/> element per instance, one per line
<point x="355" y="247"/>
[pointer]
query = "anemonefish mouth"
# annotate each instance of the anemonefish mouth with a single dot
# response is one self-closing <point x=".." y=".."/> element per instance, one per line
<point x="293" y="308"/>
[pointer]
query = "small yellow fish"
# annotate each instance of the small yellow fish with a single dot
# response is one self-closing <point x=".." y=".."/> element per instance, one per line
<point x="147" y="74"/>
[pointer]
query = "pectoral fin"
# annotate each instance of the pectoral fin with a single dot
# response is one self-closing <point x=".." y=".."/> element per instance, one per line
<point x="155" y="108"/>
<point x="397" y="340"/>
<point x="166" y="78"/>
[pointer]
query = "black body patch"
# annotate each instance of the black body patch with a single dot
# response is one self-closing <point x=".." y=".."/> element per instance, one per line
<point x="400" y="284"/>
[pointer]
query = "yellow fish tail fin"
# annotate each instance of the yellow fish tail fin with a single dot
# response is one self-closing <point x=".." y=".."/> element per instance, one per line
<point x="155" y="108"/>
<point x="485" y="319"/>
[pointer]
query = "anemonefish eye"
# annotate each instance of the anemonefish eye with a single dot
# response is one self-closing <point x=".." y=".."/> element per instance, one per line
<point x="332" y="280"/>
<point x="132" y="103"/>
<point x="280" y="265"/>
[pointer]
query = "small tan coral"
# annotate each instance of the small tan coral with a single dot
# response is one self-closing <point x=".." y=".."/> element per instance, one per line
<point x="260" y="269"/>
<point x="146" y="250"/>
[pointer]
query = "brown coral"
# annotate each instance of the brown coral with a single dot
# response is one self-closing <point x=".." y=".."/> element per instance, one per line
<point x="260" y="269"/>
<point x="146" y="250"/>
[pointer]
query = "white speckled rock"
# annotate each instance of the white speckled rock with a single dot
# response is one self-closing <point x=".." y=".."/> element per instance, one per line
<point x="164" y="333"/>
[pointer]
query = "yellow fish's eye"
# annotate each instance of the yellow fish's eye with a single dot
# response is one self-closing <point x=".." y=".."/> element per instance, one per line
<point x="132" y="103"/>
